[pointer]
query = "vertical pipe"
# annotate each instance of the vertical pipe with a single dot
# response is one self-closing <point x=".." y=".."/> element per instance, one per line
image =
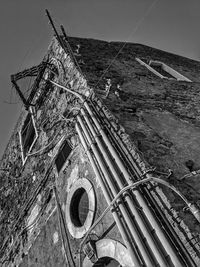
<point x="125" y="237"/>
<point x="146" y="210"/>
<point x="139" y="197"/>
<point x="130" y="223"/>
<point x="151" y="244"/>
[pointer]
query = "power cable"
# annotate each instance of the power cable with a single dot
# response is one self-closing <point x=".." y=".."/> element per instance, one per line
<point x="193" y="209"/>
<point x="10" y="98"/>
<point x="138" y="24"/>
<point x="51" y="142"/>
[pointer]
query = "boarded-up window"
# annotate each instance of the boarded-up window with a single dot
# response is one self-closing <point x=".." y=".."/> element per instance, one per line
<point x="62" y="156"/>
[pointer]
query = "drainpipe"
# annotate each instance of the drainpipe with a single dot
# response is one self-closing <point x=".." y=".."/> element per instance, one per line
<point x="106" y="193"/>
<point x="68" y="90"/>
<point x="130" y="223"/>
<point x="147" y="237"/>
<point x="192" y="208"/>
<point x="108" y="143"/>
<point x="132" y="250"/>
<point x="138" y="195"/>
<point x="140" y="199"/>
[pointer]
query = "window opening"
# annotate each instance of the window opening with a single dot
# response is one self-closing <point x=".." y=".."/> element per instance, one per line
<point x="107" y="262"/>
<point x="167" y="71"/>
<point x="62" y="156"/>
<point x="158" y="68"/>
<point x="28" y="136"/>
<point x="163" y="71"/>
<point x="79" y="207"/>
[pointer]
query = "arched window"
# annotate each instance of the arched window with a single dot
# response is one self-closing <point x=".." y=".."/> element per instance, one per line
<point x="80" y="207"/>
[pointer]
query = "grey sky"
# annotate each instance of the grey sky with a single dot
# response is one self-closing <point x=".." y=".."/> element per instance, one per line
<point x="171" y="25"/>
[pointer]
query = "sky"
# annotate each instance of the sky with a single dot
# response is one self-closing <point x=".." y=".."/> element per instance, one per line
<point x="170" y="25"/>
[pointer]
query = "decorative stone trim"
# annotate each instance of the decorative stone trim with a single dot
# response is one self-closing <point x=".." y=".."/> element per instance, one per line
<point x="75" y="230"/>
<point x="112" y="249"/>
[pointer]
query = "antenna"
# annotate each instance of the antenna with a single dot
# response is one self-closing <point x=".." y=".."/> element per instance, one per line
<point x="61" y="41"/>
<point x="53" y="26"/>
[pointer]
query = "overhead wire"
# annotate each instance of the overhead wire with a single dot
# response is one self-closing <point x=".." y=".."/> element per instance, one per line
<point x="44" y="147"/>
<point x="51" y="142"/>
<point x="138" y="24"/>
<point x="28" y="51"/>
<point x="136" y="28"/>
<point x="10" y="98"/>
<point x="131" y="187"/>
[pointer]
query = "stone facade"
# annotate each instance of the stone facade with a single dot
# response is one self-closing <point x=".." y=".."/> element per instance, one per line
<point x="155" y="122"/>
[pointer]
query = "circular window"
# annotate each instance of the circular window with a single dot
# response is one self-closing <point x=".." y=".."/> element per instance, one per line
<point x="80" y="207"/>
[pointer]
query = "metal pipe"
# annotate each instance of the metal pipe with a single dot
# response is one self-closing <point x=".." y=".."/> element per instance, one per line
<point x="146" y="210"/>
<point x="130" y="223"/>
<point x="147" y="237"/>
<point x="139" y="197"/>
<point x="85" y="103"/>
<point x="123" y="232"/>
<point x="195" y="212"/>
<point x="108" y="143"/>
<point x="158" y="230"/>
<point x="68" y="90"/>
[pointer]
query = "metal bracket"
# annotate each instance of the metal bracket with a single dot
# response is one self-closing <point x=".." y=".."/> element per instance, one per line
<point x="90" y="251"/>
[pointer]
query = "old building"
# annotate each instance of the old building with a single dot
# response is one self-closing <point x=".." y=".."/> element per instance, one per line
<point x="102" y="168"/>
